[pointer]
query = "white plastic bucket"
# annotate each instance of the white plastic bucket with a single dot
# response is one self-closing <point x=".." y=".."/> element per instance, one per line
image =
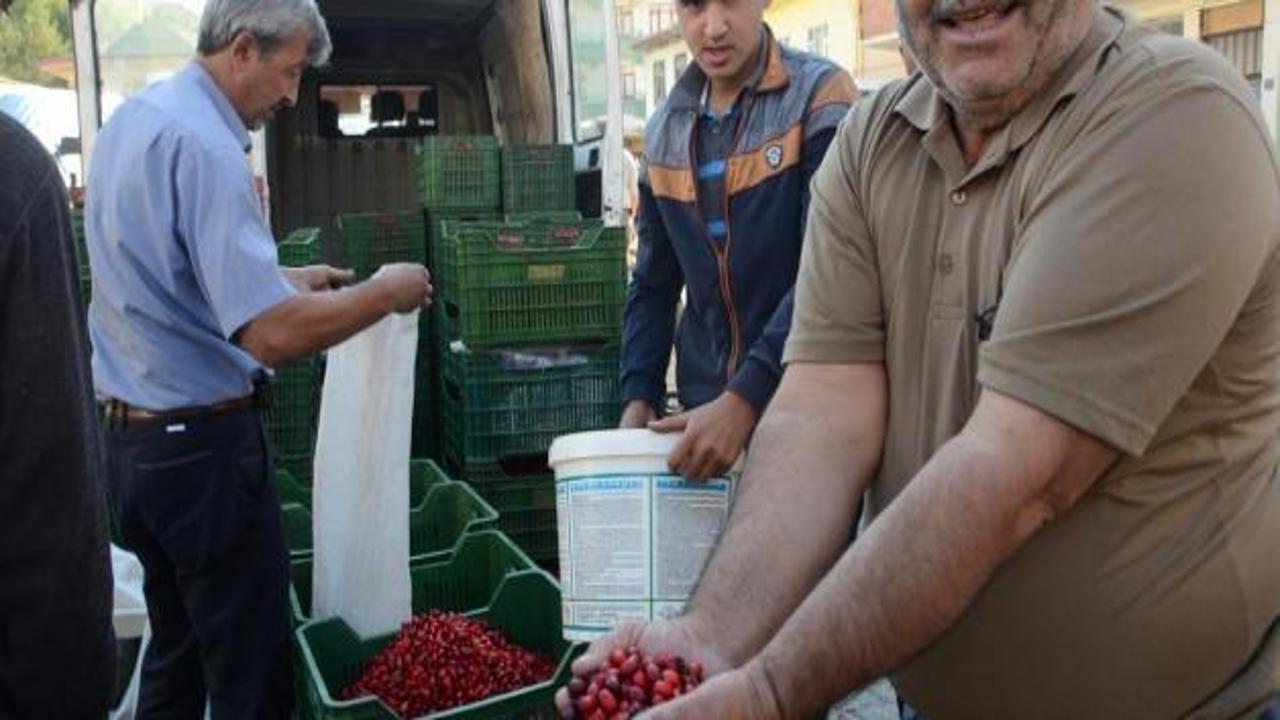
<point x="633" y="536"/>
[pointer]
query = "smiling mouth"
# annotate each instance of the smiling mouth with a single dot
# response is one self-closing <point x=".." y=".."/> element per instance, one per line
<point x="986" y="11"/>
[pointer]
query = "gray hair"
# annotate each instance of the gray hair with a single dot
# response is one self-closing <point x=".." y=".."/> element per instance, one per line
<point x="271" y="22"/>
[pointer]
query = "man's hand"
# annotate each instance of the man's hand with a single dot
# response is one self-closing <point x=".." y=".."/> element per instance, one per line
<point x="741" y="694"/>
<point x="408" y="284"/>
<point x="637" y="414"/>
<point x="671" y="637"/>
<point x="315" y="278"/>
<point x="714" y="436"/>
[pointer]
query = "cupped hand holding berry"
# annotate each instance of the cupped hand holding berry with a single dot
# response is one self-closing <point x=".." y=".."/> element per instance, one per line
<point x="741" y="694"/>
<point x="639" y="666"/>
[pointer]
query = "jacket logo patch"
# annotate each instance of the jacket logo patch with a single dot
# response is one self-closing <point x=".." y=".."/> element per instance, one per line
<point x="773" y="156"/>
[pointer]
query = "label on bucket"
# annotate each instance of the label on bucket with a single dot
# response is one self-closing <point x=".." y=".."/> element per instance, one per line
<point x="632" y="546"/>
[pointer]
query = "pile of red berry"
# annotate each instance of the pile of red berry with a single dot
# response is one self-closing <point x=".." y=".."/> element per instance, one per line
<point x="443" y="660"/>
<point x="630" y="683"/>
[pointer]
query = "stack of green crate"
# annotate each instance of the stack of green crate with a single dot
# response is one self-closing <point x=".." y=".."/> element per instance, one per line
<point x="294" y="403"/>
<point x="529" y="315"/>
<point x="457" y="178"/>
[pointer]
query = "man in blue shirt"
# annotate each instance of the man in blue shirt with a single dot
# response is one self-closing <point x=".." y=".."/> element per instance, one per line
<point x="189" y="306"/>
<point x="724" y="190"/>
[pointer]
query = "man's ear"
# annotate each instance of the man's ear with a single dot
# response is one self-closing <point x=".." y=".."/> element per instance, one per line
<point x="244" y="47"/>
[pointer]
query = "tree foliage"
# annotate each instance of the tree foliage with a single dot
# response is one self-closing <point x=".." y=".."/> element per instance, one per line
<point x="33" y="31"/>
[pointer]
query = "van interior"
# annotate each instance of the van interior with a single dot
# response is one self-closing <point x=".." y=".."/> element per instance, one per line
<point x="402" y="70"/>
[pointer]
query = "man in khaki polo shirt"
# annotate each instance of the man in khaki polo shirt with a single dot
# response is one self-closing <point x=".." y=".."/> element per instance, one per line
<point x="1038" y="320"/>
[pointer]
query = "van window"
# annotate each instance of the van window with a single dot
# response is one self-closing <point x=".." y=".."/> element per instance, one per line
<point x="590" y="78"/>
<point x="358" y="111"/>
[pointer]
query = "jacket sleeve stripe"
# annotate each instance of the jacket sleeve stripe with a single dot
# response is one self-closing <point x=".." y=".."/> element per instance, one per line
<point x="673" y="183"/>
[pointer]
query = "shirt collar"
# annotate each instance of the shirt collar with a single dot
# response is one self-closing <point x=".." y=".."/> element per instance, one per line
<point x="196" y="74"/>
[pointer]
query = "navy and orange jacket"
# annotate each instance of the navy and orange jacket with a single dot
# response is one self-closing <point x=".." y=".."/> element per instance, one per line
<point x="739" y="291"/>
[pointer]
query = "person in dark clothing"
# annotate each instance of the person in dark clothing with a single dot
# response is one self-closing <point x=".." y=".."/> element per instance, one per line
<point x="57" y="648"/>
<point x="724" y="194"/>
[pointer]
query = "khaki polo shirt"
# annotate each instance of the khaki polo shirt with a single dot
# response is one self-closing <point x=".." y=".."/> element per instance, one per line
<point x="1124" y="227"/>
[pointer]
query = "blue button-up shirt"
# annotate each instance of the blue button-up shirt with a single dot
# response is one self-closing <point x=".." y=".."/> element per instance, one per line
<point x="181" y="254"/>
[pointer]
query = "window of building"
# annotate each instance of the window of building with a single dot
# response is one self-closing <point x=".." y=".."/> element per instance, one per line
<point x="679" y="64"/>
<point x="661" y="18"/>
<point x="629" y="89"/>
<point x="818" y="39"/>
<point x="587" y="31"/>
<point x="659" y="82"/>
<point x="626" y="24"/>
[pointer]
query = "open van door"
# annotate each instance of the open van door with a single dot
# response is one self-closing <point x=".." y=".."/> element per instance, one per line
<point x="589" y="101"/>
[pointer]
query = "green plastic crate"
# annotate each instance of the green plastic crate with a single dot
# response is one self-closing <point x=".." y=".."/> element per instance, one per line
<point x="81" y="244"/>
<point x="370" y="240"/>
<point x="464" y="579"/>
<point x="447" y="511"/>
<point x="526" y="609"/>
<point x="537" y="178"/>
<point x="297" y="529"/>
<point x="82" y="256"/>
<point x="425" y="436"/>
<point x="299" y="248"/>
<point x="526" y="505"/>
<point x="458" y="172"/>
<point x="298" y="465"/>
<point x="548" y="216"/>
<point x="436" y="219"/>
<point x="514" y="283"/>
<point x="289" y="490"/>
<point x="494" y="409"/>
<point x="86" y="289"/>
<point x="293" y="408"/>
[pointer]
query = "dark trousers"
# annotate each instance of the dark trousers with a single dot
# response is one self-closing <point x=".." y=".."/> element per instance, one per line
<point x="195" y="501"/>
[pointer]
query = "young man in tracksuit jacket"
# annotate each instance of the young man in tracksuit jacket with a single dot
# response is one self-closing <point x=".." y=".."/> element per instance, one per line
<point x="724" y="191"/>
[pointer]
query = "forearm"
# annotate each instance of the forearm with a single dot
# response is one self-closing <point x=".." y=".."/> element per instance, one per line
<point x="310" y="322"/>
<point x="795" y="506"/>
<point x="921" y="564"/>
